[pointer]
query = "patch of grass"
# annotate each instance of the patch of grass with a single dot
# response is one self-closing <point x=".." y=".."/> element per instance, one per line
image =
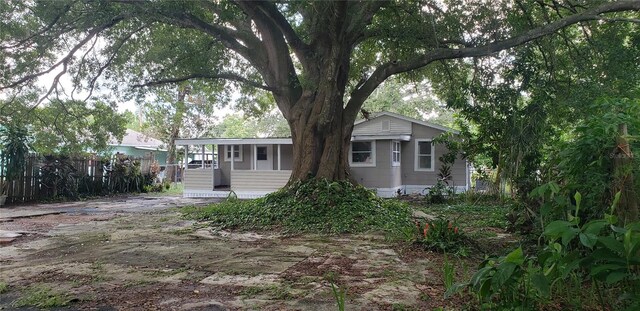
<point x="175" y="189"/>
<point x="136" y="283"/>
<point x="314" y="206"/>
<point x="42" y="297"/>
<point x="472" y="216"/>
<point x="98" y="266"/>
<point x="4" y="287"/>
<point x="424" y="297"/>
<point x="182" y="231"/>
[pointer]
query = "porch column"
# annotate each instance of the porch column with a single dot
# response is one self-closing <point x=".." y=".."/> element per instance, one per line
<point x="203" y="156"/>
<point x="233" y="158"/>
<point x="254" y="160"/>
<point x="213" y="166"/>
<point x="279" y="162"/>
<point x="186" y="161"/>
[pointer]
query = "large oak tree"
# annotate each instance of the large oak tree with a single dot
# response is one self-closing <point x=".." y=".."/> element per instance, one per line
<point x="319" y="59"/>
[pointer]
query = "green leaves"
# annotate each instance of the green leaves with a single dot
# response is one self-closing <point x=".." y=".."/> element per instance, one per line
<point x="516" y="257"/>
<point x="314" y="206"/>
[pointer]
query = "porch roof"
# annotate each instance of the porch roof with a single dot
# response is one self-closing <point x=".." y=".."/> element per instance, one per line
<point x="233" y="141"/>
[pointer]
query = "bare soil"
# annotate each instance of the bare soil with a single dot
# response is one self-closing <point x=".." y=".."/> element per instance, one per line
<point x="137" y="253"/>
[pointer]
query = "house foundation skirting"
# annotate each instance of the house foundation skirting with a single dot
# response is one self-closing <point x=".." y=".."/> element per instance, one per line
<point x="381" y="192"/>
<point x="424" y="189"/>
<point x="389" y="192"/>
<point x="223" y="194"/>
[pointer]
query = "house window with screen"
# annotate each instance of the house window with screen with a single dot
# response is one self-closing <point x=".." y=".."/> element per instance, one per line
<point x="395" y="153"/>
<point x="237" y="152"/>
<point x="363" y="153"/>
<point x="261" y="153"/>
<point x="424" y="155"/>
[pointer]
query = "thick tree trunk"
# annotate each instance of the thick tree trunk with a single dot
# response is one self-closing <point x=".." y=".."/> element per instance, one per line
<point x="174" y="133"/>
<point x="321" y="140"/>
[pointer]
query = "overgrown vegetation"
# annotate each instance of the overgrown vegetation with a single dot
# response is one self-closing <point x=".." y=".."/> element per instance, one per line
<point x="61" y="178"/>
<point x="580" y="258"/>
<point x="315" y="206"/>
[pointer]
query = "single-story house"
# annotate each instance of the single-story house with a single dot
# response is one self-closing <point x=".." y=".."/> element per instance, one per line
<point x="136" y="144"/>
<point x="389" y="152"/>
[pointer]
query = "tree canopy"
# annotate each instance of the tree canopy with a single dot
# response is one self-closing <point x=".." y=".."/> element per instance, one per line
<point x="65" y="126"/>
<point x="320" y="60"/>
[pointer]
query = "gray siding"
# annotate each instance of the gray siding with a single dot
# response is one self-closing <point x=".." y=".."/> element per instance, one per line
<point x="374" y="126"/>
<point x="286" y="157"/>
<point x="259" y="180"/>
<point x="412" y="177"/>
<point x="286" y="154"/>
<point x="198" y="179"/>
<point x="383" y="175"/>
<point x="225" y="166"/>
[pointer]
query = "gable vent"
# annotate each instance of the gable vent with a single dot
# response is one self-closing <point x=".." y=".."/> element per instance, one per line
<point x="385" y="125"/>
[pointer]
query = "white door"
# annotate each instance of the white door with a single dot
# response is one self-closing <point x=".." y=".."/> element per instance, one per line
<point x="264" y="157"/>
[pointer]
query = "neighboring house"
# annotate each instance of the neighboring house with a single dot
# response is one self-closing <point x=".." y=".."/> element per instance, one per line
<point x="390" y="153"/>
<point x="137" y="144"/>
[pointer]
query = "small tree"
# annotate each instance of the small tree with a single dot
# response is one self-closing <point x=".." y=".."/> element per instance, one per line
<point x="14" y="149"/>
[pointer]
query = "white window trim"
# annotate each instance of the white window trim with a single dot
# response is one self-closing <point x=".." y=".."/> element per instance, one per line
<point x="394" y="163"/>
<point x="227" y="158"/>
<point x="373" y="155"/>
<point x="416" y="159"/>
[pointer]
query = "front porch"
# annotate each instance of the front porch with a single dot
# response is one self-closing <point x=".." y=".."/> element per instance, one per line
<point x="251" y="168"/>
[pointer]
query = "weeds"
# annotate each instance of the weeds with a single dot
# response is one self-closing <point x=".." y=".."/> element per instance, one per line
<point x="4" y="287"/>
<point x="42" y="297"/>
<point x="594" y="258"/>
<point x="449" y="272"/>
<point x="340" y="294"/>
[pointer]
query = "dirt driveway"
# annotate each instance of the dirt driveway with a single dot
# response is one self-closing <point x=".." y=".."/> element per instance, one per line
<point x="137" y="253"/>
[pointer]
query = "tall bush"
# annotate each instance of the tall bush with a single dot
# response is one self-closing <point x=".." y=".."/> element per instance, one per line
<point x="585" y="163"/>
<point x="15" y="144"/>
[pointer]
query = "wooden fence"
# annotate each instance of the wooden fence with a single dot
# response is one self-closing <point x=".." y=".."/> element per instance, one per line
<point x="29" y="185"/>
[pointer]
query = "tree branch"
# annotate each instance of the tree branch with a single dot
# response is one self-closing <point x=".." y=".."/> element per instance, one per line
<point x="225" y="76"/>
<point x="102" y="68"/>
<point x="277" y="68"/>
<point x="394" y="67"/>
<point x="271" y="11"/>
<point x="43" y="30"/>
<point x="64" y="61"/>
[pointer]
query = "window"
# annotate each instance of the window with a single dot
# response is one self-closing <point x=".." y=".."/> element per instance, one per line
<point x="395" y="153"/>
<point x="363" y="153"/>
<point x="424" y="155"/>
<point x="261" y="153"/>
<point x="237" y="152"/>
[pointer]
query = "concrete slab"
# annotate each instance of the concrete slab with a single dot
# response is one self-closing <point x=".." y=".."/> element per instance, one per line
<point x="14" y="213"/>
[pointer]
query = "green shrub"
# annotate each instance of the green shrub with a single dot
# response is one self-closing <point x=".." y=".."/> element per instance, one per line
<point x="579" y="259"/>
<point x="441" y="235"/>
<point x="316" y="205"/>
